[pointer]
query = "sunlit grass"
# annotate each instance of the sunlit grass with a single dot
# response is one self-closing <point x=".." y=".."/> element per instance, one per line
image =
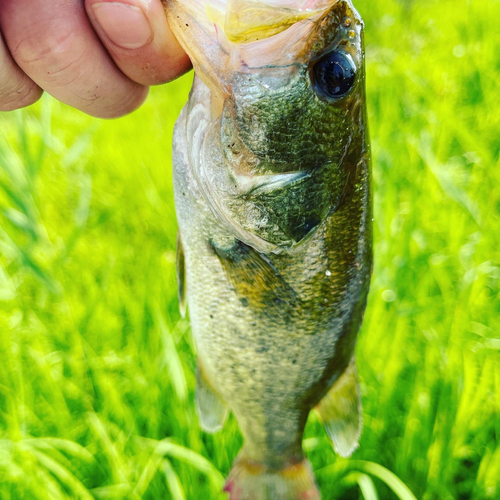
<point x="97" y="368"/>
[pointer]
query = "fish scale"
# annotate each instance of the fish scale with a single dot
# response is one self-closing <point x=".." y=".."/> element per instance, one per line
<point x="273" y="199"/>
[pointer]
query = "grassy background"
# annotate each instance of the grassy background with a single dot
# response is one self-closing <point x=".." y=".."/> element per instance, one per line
<point x="96" y="367"/>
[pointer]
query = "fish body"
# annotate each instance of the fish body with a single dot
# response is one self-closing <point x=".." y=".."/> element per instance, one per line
<point x="273" y="199"/>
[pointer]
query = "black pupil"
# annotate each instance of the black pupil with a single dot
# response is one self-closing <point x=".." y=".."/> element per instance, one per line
<point x="335" y="74"/>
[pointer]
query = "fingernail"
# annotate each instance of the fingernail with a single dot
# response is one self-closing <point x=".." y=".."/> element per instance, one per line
<point x="125" y="25"/>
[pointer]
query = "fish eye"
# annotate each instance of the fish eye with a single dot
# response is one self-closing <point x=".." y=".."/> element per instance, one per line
<point x="334" y="75"/>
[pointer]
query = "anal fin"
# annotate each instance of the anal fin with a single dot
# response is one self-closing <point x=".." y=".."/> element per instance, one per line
<point x="340" y="412"/>
<point x="212" y="411"/>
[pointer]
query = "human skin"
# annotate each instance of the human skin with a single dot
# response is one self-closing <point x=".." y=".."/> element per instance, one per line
<point x="99" y="56"/>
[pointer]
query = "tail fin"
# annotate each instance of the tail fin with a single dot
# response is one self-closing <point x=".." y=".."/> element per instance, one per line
<point x="252" y="481"/>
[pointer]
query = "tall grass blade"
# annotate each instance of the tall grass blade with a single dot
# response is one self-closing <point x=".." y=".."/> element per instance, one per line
<point x="191" y="458"/>
<point x="64" y="476"/>
<point x="365" y="484"/>
<point x="385" y="475"/>
<point x="173" y="483"/>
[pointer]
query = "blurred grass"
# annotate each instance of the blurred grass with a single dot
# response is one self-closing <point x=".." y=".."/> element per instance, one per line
<point x="96" y="367"/>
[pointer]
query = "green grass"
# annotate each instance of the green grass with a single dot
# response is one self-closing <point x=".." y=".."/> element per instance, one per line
<point x="97" y="368"/>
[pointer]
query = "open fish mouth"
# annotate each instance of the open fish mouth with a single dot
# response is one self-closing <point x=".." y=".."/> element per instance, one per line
<point x="223" y="37"/>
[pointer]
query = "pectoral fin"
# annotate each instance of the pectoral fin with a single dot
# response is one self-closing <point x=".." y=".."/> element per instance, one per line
<point x="340" y="412"/>
<point x="212" y="411"/>
<point x="255" y="279"/>
<point x="181" y="276"/>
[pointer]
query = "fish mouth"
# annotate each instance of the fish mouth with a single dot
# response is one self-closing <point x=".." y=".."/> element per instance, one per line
<point x="223" y="37"/>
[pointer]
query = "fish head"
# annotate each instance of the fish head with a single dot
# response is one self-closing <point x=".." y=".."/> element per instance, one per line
<point x="288" y="114"/>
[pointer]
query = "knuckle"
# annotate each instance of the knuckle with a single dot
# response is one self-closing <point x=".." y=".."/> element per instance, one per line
<point x="18" y="96"/>
<point x="55" y="58"/>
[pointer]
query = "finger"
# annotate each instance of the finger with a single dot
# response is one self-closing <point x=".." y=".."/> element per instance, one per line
<point x="137" y="35"/>
<point x="16" y="89"/>
<point x="55" y="45"/>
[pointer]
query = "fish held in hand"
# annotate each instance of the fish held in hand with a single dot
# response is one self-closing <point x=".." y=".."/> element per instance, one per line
<point x="273" y="199"/>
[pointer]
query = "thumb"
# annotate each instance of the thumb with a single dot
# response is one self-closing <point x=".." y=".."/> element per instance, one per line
<point x="137" y="36"/>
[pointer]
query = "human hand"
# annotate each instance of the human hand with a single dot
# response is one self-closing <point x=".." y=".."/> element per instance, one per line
<point x="99" y="56"/>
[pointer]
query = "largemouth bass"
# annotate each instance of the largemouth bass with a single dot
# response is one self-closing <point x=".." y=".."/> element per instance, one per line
<point x="273" y="199"/>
